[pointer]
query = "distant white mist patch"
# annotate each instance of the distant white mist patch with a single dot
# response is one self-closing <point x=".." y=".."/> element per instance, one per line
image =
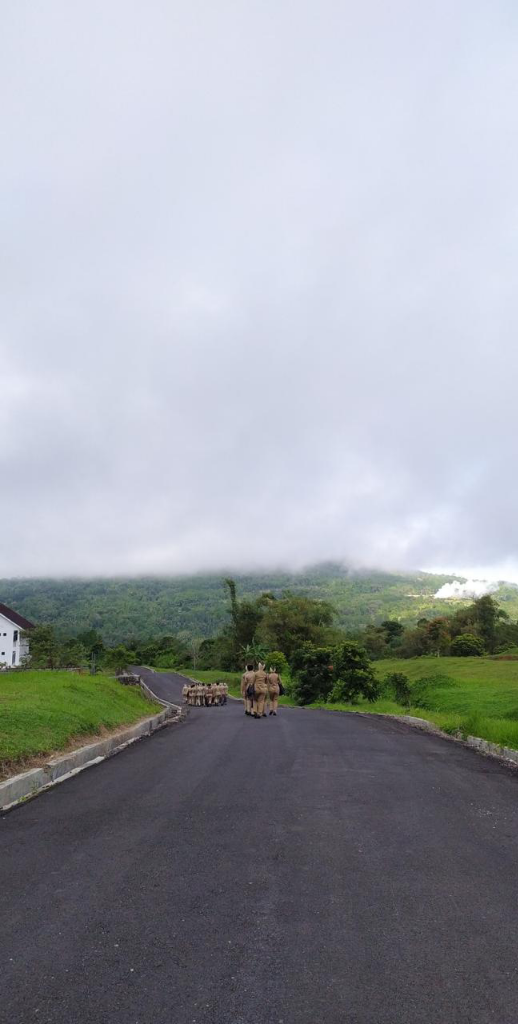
<point x="469" y="589"/>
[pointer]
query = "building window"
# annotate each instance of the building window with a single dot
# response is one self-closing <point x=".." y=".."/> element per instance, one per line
<point x="14" y="657"/>
<point x="15" y="637"/>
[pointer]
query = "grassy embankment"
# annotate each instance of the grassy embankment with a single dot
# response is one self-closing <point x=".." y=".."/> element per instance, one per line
<point x="42" y="712"/>
<point x="470" y="696"/>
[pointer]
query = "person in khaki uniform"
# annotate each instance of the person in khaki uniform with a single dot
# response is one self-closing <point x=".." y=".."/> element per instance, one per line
<point x="185" y="692"/>
<point x="192" y="695"/>
<point x="208" y="695"/>
<point x="225" y="693"/>
<point x="261" y="689"/>
<point x="199" y="695"/>
<point x="215" y="697"/>
<point x="247" y="679"/>
<point x="219" y="693"/>
<point x="274" y="689"/>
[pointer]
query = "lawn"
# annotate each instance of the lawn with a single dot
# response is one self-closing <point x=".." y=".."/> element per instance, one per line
<point x="41" y="712"/>
<point x="471" y="696"/>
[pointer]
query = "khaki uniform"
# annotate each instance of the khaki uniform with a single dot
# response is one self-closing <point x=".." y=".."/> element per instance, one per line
<point x="261" y="689"/>
<point x="208" y="695"/>
<point x="191" y="696"/>
<point x="185" y="693"/>
<point x="199" y="695"/>
<point x="247" y="679"/>
<point x="225" y="692"/>
<point x="214" y="691"/>
<point x="274" y="689"/>
<point x="219" y="693"/>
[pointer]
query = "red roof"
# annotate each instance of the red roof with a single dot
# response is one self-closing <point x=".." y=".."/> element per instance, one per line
<point x="14" y="617"/>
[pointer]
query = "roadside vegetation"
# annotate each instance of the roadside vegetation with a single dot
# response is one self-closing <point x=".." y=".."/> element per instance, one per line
<point x="460" y="671"/>
<point x="43" y="711"/>
<point x="463" y="696"/>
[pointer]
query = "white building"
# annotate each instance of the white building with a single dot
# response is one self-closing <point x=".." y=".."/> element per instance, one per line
<point x="14" y="645"/>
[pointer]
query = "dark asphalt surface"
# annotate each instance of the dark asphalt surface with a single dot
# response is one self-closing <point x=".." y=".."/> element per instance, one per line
<point x="314" y="868"/>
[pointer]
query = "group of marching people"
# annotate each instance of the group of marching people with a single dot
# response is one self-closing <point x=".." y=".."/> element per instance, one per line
<point x="258" y="687"/>
<point x="205" y="695"/>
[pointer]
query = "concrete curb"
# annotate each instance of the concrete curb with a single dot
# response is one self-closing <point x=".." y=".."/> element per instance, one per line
<point x="475" y="742"/>
<point x="28" y="784"/>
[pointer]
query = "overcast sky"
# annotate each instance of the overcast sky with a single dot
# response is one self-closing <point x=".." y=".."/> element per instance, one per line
<point x="259" y="297"/>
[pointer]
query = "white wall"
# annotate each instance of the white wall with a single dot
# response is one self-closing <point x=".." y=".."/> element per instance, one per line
<point x="12" y="647"/>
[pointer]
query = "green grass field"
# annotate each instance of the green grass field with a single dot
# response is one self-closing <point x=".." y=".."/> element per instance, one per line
<point x="42" y="711"/>
<point x="470" y="696"/>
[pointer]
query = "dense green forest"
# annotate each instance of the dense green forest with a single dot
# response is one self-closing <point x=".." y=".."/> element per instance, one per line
<point x="146" y="607"/>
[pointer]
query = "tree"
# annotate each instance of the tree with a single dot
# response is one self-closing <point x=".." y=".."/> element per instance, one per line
<point x="342" y="673"/>
<point x="291" y="622"/>
<point x="245" y="618"/>
<point x="118" y="658"/>
<point x="192" y="644"/>
<point x="487" y="613"/>
<point x="413" y="643"/>
<point x="208" y="654"/>
<point x="45" y="650"/>
<point x="374" y="640"/>
<point x="438" y="635"/>
<point x="92" y="642"/>
<point x="252" y="654"/>
<point x="392" y="629"/>
<point x="466" y="645"/>
<point x="354" y="674"/>
<point x="312" y="672"/>
<point x="74" y="654"/>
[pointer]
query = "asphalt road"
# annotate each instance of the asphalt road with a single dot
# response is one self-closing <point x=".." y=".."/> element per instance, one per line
<point x="314" y="868"/>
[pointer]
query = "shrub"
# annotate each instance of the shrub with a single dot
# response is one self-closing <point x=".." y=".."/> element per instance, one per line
<point x="278" y="659"/>
<point x="354" y="675"/>
<point x="466" y="645"/>
<point x="397" y="683"/>
<point x="312" y="673"/>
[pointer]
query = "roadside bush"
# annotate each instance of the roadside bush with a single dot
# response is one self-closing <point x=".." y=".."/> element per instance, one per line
<point x="466" y="645"/>
<point x="312" y="674"/>
<point x="398" y="685"/>
<point x="354" y="675"/>
<point x="339" y="674"/>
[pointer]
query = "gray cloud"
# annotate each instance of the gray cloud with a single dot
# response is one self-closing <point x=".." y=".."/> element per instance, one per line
<point x="258" y="300"/>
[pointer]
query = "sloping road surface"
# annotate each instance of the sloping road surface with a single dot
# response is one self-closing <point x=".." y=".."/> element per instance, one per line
<point x="314" y="868"/>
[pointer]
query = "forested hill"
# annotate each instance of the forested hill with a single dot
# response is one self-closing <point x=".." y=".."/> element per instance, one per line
<point x="154" y="606"/>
